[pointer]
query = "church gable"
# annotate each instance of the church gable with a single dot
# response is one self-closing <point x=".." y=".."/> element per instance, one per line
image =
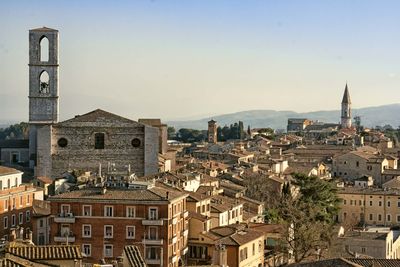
<point x="99" y="116"/>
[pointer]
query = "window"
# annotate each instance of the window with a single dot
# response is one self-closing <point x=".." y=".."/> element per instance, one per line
<point x="345" y="162"/>
<point x="108" y="211"/>
<point x="151" y="253"/>
<point x="243" y="254"/>
<point x="28" y="199"/>
<point x="87" y="210"/>
<point x="371" y="216"/>
<point x="360" y="202"/>
<point x="21" y="218"/>
<point x="380" y="203"/>
<point x="357" y="163"/>
<point x="65" y="209"/>
<point x="5" y="222"/>
<point x="135" y="142"/>
<point x="388" y="203"/>
<point x="108" y="231"/>
<point x="20" y="201"/>
<point x="344" y="201"/>
<point x="153" y="214"/>
<point x="389" y="218"/>
<point x="398" y="218"/>
<point x="370" y="203"/>
<point x="86" y="230"/>
<point x="398" y="204"/>
<point x="13" y="203"/>
<point x="13" y="222"/>
<point x="153" y="232"/>
<point x="130" y="212"/>
<point x="130" y="232"/>
<point x="254" y="249"/>
<point x="379" y="217"/>
<point x="28" y="216"/>
<point x="99" y="140"/>
<point x="41" y="223"/>
<point x="108" y="251"/>
<point x="6" y="204"/>
<point x="369" y="167"/>
<point x="44" y="49"/>
<point x="87" y="249"/>
<point x="44" y="83"/>
<point x="363" y="250"/>
<point x="62" y="142"/>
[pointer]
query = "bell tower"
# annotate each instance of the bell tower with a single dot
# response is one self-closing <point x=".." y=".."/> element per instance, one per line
<point x="212" y="132"/>
<point x="43" y="84"/>
<point x="346" y="109"/>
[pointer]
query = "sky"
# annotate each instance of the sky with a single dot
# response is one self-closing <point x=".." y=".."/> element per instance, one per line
<point x="191" y="59"/>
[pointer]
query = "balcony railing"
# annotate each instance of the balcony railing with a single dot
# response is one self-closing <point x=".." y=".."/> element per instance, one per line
<point x="153" y="222"/>
<point x="64" y="238"/>
<point x="153" y="241"/>
<point x="64" y="218"/>
<point x="153" y="261"/>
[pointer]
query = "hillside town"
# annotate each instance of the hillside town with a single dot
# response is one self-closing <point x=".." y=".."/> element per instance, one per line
<point x="100" y="189"/>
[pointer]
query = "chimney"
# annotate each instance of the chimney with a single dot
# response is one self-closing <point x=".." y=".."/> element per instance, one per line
<point x="103" y="190"/>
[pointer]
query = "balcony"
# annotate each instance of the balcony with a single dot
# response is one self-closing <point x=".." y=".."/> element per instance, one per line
<point x="64" y="238"/>
<point x="153" y="241"/>
<point x="153" y="222"/>
<point x="64" y="218"/>
<point x="153" y="261"/>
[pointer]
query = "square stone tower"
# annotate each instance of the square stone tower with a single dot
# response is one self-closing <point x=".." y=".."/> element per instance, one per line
<point x="43" y="84"/>
<point x="212" y="131"/>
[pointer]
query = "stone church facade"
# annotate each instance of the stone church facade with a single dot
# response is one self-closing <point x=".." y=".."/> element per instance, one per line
<point x="86" y="142"/>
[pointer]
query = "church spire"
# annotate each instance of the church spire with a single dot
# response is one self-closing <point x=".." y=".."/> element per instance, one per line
<point x="346" y="96"/>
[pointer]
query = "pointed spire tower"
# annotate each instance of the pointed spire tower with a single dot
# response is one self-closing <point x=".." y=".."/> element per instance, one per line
<point x="346" y="109"/>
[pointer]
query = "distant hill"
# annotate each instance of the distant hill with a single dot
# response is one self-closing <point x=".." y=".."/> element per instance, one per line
<point x="370" y="117"/>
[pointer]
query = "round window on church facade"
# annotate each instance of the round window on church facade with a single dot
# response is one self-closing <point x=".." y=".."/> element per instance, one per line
<point x="135" y="142"/>
<point x="62" y="142"/>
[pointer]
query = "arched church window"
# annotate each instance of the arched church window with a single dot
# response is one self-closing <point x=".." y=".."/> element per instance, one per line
<point x="44" y="49"/>
<point x="99" y="141"/>
<point x="44" y="87"/>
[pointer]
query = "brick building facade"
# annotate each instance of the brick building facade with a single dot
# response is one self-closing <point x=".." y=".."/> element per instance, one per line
<point x="103" y="221"/>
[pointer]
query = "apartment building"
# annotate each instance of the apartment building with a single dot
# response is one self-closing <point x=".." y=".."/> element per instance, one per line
<point x="372" y="206"/>
<point x="16" y="200"/>
<point x="105" y="220"/>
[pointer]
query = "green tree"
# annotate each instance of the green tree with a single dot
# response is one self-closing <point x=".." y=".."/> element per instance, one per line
<point x="16" y="131"/>
<point x="310" y="216"/>
<point x="171" y="133"/>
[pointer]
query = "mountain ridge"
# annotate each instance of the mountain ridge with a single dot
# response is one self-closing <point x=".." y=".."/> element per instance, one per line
<point x="370" y="117"/>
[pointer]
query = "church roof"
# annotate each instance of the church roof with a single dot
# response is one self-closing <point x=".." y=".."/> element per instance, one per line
<point x="346" y="96"/>
<point x="99" y="115"/>
<point x="44" y="29"/>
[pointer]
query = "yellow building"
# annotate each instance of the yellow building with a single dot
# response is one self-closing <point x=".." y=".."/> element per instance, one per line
<point x="372" y="206"/>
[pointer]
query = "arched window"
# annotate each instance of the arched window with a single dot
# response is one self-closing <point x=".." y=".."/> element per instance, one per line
<point x="44" y="87"/>
<point x="44" y="49"/>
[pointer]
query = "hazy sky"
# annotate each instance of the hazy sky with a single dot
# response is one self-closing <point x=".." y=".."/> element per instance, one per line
<point x="179" y="59"/>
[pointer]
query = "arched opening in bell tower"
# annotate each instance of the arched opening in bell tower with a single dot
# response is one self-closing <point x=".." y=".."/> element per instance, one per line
<point x="44" y="87"/>
<point x="44" y="49"/>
